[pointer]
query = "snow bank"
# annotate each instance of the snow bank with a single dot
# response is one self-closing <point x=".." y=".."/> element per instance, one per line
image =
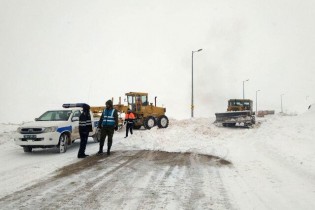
<point x="6" y="131"/>
<point x="8" y="127"/>
<point x="291" y="138"/>
<point x="196" y="135"/>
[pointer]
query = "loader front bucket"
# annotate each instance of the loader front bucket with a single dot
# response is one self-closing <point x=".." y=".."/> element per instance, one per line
<point x="229" y="119"/>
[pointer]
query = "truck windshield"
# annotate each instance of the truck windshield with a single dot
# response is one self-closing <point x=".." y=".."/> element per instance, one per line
<point x="131" y="100"/>
<point x="235" y="103"/>
<point x="62" y="115"/>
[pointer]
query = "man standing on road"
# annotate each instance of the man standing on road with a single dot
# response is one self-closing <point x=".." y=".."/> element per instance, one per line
<point x="129" y="119"/>
<point x="108" y="123"/>
<point x="85" y="126"/>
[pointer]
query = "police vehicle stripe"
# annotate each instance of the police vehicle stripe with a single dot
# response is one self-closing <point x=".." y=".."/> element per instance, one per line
<point x="63" y="129"/>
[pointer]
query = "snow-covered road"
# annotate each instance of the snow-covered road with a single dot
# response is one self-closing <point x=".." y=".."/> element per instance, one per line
<point x="271" y="167"/>
<point x="130" y="180"/>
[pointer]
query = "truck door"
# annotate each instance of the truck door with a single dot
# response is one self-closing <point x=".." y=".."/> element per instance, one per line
<point x="75" y="125"/>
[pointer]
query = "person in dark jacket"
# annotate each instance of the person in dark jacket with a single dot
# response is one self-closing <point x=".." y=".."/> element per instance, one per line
<point x="108" y="123"/>
<point x="129" y="119"/>
<point x="85" y="126"/>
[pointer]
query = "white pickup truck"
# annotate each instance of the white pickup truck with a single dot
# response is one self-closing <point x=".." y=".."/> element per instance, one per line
<point x="54" y="128"/>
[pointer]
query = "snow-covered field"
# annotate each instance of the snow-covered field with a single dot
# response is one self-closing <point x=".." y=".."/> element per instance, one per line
<point x="272" y="167"/>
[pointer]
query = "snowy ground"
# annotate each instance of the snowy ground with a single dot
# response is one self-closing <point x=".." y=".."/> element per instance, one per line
<point x="271" y="167"/>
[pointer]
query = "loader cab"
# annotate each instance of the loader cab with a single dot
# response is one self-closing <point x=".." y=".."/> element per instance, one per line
<point x="137" y="100"/>
<point x="240" y="105"/>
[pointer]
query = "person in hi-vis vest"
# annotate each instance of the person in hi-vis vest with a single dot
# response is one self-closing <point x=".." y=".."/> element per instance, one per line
<point x="108" y="123"/>
<point x="129" y="120"/>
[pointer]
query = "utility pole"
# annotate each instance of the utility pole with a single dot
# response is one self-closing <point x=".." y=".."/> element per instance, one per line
<point x="244" y="88"/>
<point x="256" y="100"/>
<point x="281" y="103"/>
<point x="192" y="82"/>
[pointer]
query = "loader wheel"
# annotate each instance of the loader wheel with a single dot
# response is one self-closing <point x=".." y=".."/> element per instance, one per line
<point x="27" y="149"/>
<point x="149" y="122"/>
<point x="162" y="122"/>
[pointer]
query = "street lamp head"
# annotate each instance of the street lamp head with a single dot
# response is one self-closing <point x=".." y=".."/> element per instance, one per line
<point x="197" y="51"/>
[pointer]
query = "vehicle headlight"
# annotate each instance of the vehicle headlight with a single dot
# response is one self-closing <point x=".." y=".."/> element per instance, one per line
<point x="50" y="129"/>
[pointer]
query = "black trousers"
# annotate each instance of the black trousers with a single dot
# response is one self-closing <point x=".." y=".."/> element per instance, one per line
<point x="129" y="127"/>
<point x="106" y="132"/>
<point x="83" y="141"/>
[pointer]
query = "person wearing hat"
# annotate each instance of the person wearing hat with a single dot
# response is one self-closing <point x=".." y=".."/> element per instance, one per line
<point x="129" y="119"/>
<point x="85" y="126"/>
<point x="108" y="123"/>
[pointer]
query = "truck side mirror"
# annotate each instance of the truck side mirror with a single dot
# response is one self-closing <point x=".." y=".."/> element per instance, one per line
<point x="75" y="119"/>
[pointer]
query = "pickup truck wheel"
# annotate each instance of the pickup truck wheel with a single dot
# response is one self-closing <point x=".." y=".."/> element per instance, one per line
<point x="27" y="149"/>
<point x="63" y="143"/>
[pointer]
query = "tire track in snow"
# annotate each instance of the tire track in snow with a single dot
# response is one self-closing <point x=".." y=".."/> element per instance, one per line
<point x="128" y="180"/>
<point x="61" y="184"/>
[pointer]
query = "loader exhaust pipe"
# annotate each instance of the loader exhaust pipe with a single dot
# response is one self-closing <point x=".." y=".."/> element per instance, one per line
<point x="155" y="101"/>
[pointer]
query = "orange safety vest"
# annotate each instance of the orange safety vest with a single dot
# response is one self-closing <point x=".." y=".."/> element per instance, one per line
<point x="130" y="116"/>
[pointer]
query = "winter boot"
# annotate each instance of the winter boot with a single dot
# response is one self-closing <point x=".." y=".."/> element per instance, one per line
<point x="101" y="148"/>
<point x="108" y="150"/>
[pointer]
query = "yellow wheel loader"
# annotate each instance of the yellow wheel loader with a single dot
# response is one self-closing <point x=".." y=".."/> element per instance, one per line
<point x="239" y="113"/>
<point x="147" y="114"/>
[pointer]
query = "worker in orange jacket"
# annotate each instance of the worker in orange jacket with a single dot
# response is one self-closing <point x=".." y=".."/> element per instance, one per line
<point x="130" y="121"/>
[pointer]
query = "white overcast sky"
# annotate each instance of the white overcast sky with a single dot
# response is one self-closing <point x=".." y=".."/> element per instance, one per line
<point x="61" y="51"/>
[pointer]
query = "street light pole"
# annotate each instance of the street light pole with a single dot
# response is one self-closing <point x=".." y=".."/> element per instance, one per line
<point x="281" y="103"/>
<point x="256" y="100"/>
<point x="192" y="81"/>
<point x="243" y="88"/>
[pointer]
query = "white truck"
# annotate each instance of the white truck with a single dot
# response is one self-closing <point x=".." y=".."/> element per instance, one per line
<point x="54" y="128"/>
